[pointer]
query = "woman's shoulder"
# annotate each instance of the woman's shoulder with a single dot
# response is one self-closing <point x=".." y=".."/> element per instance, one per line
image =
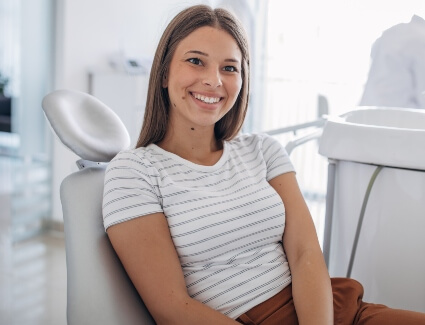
<point x="268" y="145"/>
<point x="134" y="157"/>
<point x="251" y="139"/>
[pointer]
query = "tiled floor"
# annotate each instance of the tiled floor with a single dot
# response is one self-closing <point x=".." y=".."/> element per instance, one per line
<point x="33" y="281"/>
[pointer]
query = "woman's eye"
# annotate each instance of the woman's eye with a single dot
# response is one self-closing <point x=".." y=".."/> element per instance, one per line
<point x="230" y="68"/>
<point x="195" y="61"/>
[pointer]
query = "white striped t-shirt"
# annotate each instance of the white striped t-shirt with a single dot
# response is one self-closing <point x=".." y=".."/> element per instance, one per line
<point x="225" y="220"/>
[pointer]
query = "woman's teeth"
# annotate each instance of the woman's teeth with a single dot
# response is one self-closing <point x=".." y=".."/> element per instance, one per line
<point x="205" y="99"/>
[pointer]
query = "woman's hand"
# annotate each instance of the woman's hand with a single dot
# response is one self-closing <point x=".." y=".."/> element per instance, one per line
<point x="311" y="286"/>
<point x="146" y="250"/>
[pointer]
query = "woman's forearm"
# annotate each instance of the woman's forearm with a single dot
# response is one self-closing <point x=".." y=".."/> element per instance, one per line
<point x="311" y="290"/>
<point x="189" y="311"/>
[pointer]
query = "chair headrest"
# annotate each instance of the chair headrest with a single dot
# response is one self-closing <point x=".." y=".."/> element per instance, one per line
<point x="85" y="125"/>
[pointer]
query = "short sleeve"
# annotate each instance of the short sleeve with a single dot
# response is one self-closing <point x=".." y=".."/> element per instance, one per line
<point x="276" y="158"/>
<point x="130" y="189"/>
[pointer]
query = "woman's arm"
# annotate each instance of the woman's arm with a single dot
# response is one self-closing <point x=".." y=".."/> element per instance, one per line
<point x="147" y="252"/>
<point x="311" y="286"/>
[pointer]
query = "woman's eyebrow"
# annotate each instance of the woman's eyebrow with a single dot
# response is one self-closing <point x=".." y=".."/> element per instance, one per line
<point x="205" y="54"/>
<point x="232" y="60"/>
<point x="197" y="52"/>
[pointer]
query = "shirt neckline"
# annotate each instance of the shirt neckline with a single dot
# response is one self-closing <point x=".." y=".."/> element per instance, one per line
<point x="193" y="165"/>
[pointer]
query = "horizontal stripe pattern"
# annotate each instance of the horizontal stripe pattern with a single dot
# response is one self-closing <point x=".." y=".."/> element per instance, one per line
<point x="225" y="220"/>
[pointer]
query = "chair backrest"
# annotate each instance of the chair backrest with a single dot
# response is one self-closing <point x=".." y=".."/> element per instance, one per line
<point x="98" y="288"/>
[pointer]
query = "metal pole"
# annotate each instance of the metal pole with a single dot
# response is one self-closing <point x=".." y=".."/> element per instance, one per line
<point x="330" y="195"/>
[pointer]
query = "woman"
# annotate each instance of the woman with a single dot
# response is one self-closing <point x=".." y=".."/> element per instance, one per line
<point x="211" y="225"/>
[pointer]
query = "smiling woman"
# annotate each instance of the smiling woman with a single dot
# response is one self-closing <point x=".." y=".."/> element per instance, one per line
<point x="209" y="222"/>
<point x="157" y="111"/>
<point x="203" y="85"/>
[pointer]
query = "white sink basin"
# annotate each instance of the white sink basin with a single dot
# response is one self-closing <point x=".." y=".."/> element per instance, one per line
<point x="377" y="135"/>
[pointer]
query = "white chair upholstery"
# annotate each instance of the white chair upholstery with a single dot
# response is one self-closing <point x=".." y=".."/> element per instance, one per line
<point x="99" y="291"/>
<point x="85" y="125"/>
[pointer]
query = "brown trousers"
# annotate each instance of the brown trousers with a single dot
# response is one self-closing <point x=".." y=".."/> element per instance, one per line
<point x="348" y="309"/>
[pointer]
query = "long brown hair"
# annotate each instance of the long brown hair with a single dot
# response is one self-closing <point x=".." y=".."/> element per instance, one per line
<point x="157" y="103"/>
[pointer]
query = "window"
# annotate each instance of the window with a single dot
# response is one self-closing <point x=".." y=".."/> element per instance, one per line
<point x="321" y="48"/>
<point x="316" y="51"/>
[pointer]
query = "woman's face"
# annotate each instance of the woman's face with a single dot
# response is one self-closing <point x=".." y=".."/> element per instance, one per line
<point x="204" y="78"/>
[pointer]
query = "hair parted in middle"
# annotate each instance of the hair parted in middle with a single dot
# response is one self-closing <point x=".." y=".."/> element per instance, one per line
<point x="156" y="116"/>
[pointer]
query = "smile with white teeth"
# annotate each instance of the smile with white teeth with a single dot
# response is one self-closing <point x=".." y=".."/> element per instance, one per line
<point x="205" y="99"/>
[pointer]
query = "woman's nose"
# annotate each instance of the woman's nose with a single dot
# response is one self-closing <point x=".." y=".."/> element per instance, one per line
<point x="212" y="78"/>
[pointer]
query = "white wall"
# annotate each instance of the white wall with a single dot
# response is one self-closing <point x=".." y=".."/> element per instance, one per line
<point x="88" y="32"/>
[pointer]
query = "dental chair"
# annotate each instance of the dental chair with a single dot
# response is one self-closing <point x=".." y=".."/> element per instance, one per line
<point x="99" y="291"/>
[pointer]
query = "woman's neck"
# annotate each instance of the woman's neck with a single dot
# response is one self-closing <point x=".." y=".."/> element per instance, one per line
<point x="196" y="145"/>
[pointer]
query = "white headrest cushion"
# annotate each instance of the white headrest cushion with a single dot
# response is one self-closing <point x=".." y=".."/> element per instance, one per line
<point x="85" y="125"/>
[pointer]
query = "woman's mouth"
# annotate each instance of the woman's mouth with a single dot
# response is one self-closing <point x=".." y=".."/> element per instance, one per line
<point x="206" y="99"/>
